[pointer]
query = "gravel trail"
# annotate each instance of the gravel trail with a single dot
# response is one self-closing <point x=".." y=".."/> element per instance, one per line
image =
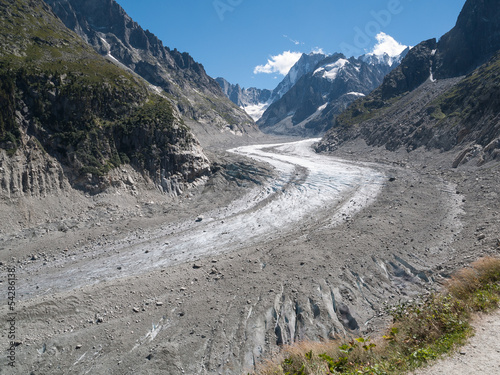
<point x="480" y="356"/>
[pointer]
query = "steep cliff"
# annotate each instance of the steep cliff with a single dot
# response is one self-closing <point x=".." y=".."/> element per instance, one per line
<point x="472" y="42"/>
<point x="112" y="33"/>
<point x="80" y="115"/>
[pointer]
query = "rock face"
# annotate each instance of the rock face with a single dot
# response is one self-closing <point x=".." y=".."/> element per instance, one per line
<point x="311" y="105"/>
<point x="252" y="100"/>
<point x="112" y="33"/>
<point x="31" y="173"/>
<point x="241" y="96"/>
<point x="428" y="102"/>
<point x="306" y="64"/>
<point x="472" y="42"/>
<point x="69" y="116"/>
<point x="414" y="70"/>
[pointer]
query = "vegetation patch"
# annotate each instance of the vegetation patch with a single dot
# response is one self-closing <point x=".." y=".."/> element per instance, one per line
<point x="422" y="331"/>
<point x="9" y="131"/>
<point x="366" y="108"/>
<point x="475" y="96"/>
<point x="89" y="114"/>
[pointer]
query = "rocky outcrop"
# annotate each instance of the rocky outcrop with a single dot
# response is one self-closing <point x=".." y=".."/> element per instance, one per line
<point x="148" y="136"/>
<point x="406" y="123"/>
<point x="112" y="33"/>
<point x="31" y="172"/>
<point x="449" y="113"/>
<point x="241" y="96"/>
<point x="472" y="42"/>
<point x="414" y="70"/>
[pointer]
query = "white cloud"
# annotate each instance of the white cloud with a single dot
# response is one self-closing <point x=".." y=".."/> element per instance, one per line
<point x="296" y="42"/>
<point x="318" y="51"/>
<point x="279" y="64"/>
<point x="387" y="44"/>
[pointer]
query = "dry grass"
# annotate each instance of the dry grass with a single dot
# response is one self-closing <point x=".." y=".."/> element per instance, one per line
<point x="295" y="354"/>
<point x="484" y="270"/>
<point x="478" y="285"/>
<point x="421" y="331"/>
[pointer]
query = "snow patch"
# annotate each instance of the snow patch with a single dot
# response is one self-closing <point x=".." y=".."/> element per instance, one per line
<point x="293" y="74"/>
<point x="255" y="111"/>
<point x="322" y="107"/>
<point x="106" y="44"/>
<point x="112" y="57"/>
<point x="156" y="89"/>
<point x="431" y="77"/>
<point x="355" y="93"/>
<point x="331" y="71"/>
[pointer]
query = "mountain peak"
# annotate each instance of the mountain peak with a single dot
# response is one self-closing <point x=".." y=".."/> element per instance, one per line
<point x="473" y="41"/>
<point x="330" y="67"/>
<point x="443" y="94"/>
<point x="308" y="108"/>
<point x="306" y="64"/>
<point x="254" y="101"/>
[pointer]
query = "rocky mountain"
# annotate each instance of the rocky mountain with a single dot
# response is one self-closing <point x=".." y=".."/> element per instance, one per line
<point x="68" y="116"/>
<point x="251" y="99"/>
<point x="306" y="64"/>
<point x="474" y="39"/>
<point x="241" y="96"/>
<point x="309" y="107"/>
<point x="112" y="33"/>
<point x="255" y="101"/>
<point x="428" y="102"/>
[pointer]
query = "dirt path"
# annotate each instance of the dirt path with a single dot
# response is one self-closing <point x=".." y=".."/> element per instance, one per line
<point x="480" y="356"/>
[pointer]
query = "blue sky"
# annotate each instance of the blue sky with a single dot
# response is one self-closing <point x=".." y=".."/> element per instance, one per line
<point x="233" y="37"/>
